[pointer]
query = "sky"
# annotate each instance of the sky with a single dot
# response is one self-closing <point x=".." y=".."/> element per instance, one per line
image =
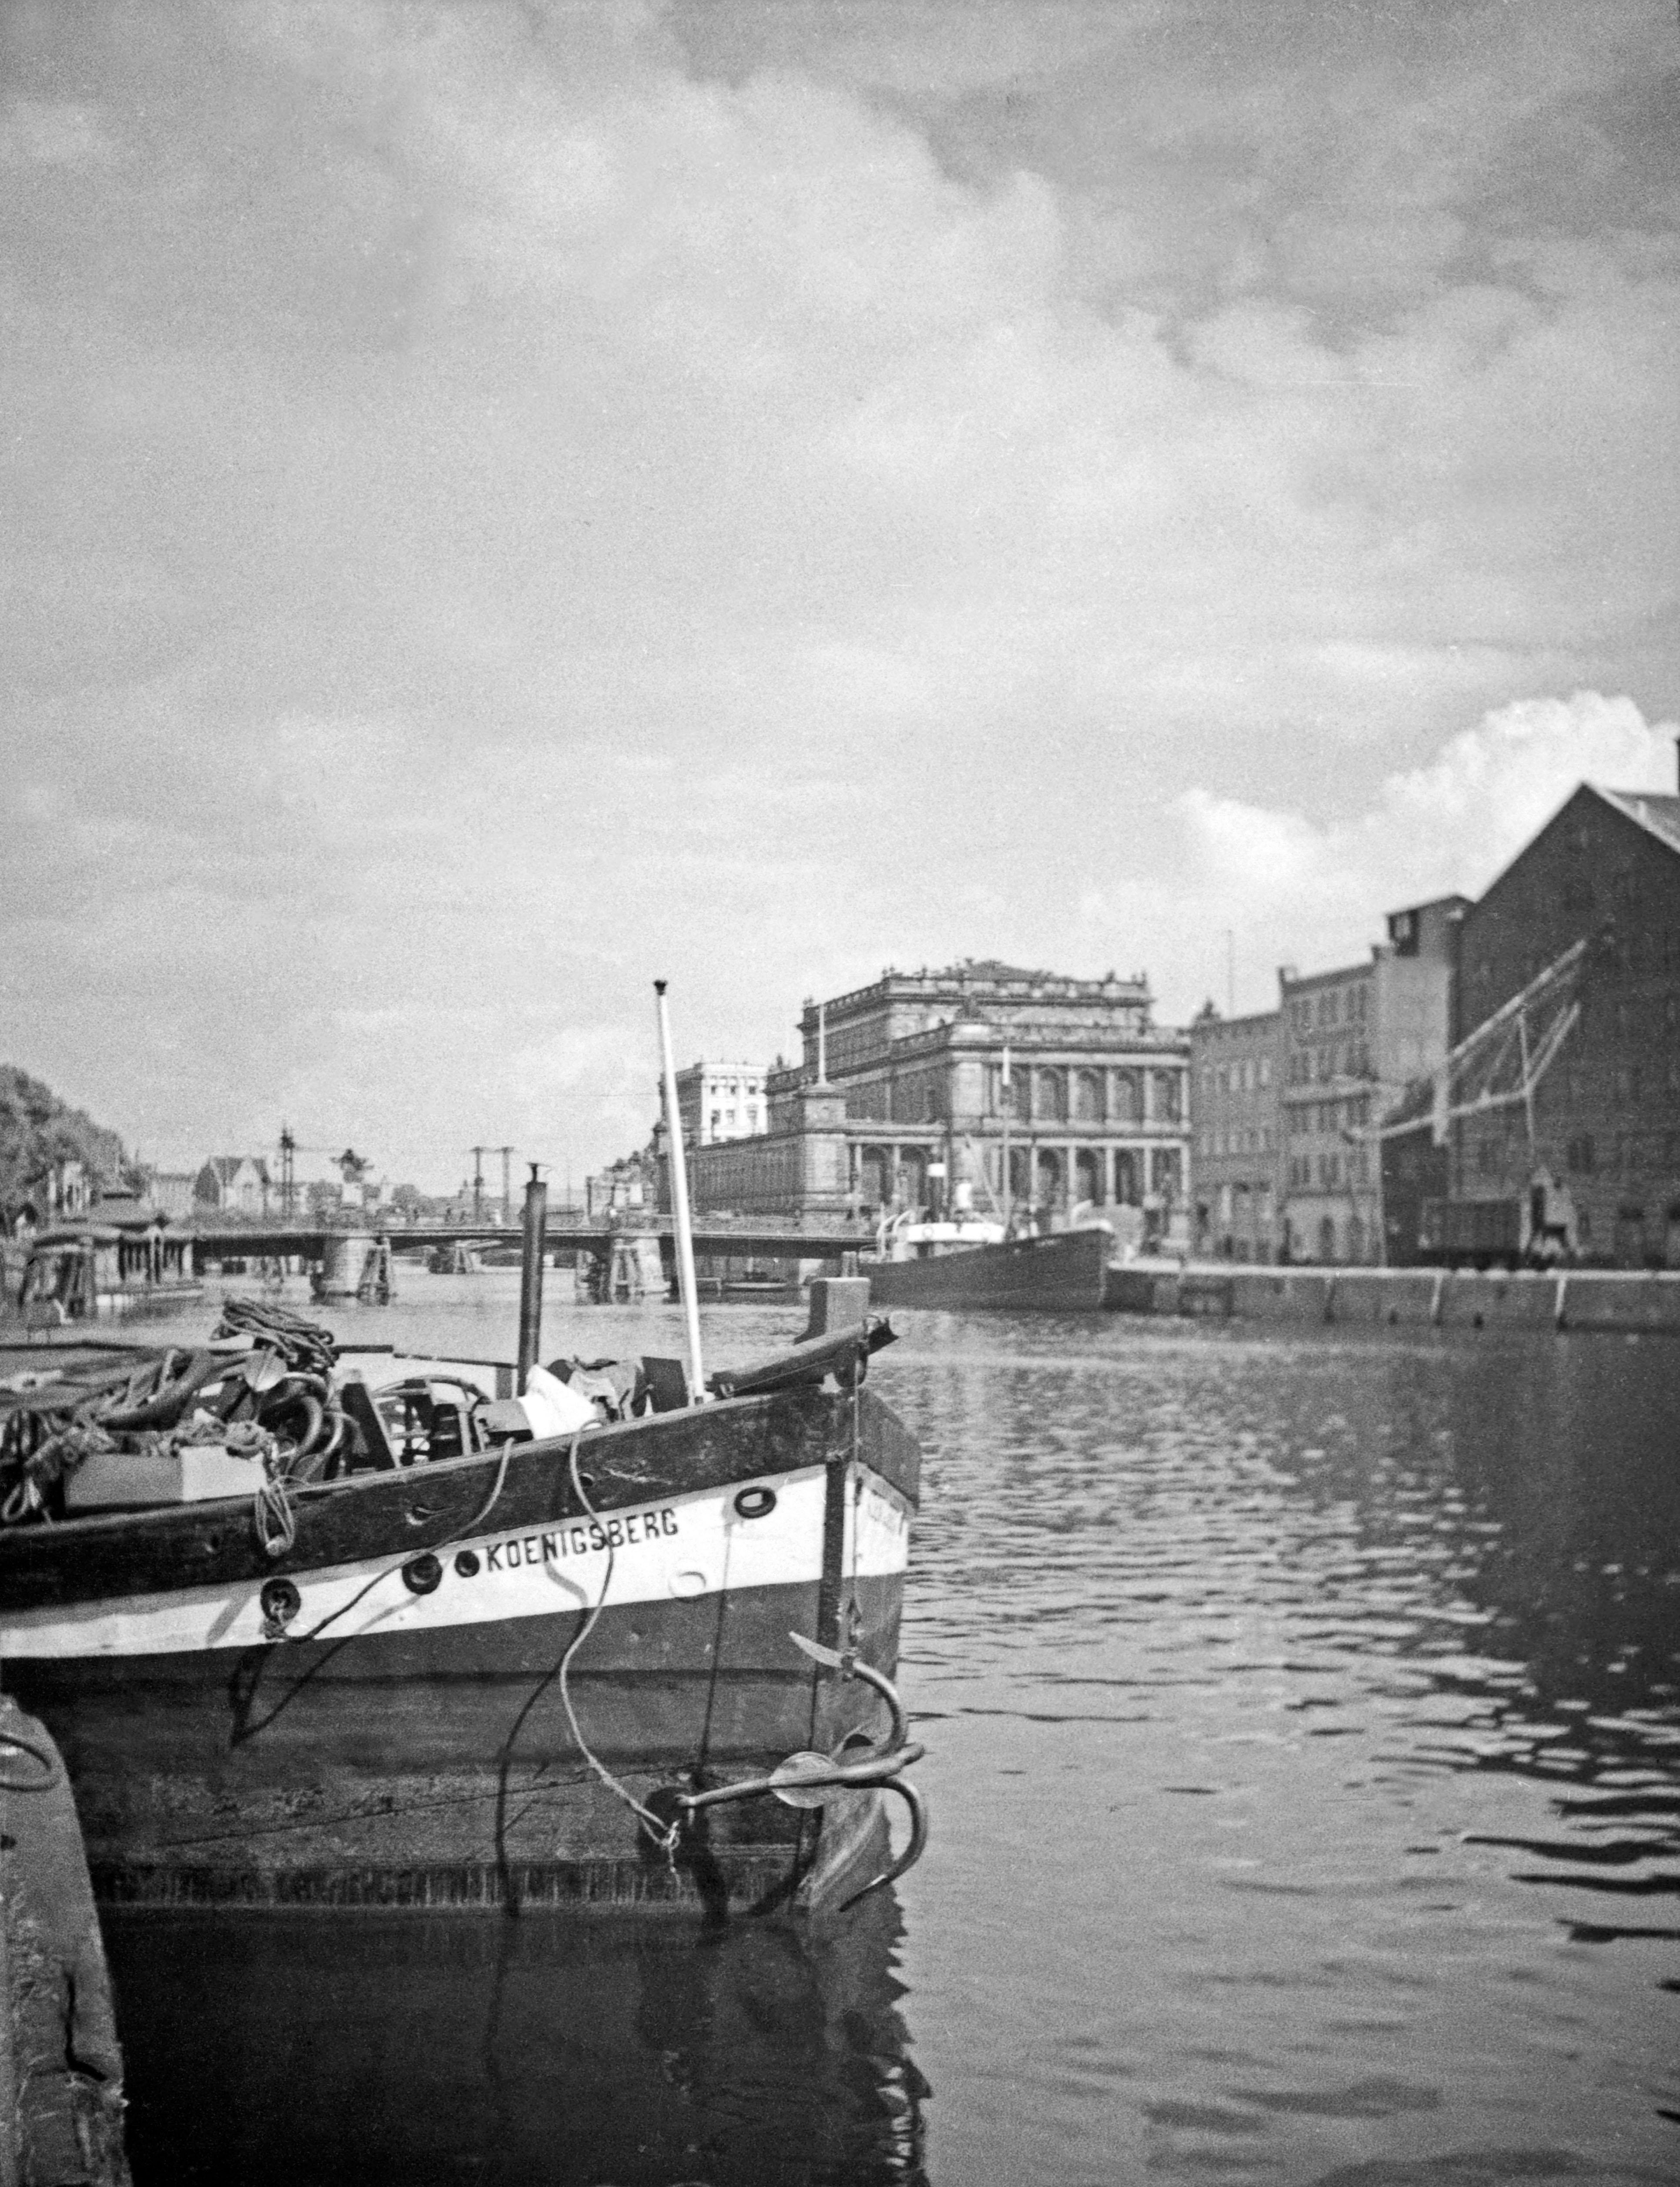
<point x="502" y="504"/>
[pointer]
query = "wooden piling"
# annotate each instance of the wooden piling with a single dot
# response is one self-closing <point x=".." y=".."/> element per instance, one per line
<point x="531" y="1275"/>
<point x="61" y="2067"/>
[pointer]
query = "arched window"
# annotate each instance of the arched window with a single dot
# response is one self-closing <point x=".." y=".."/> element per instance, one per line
<point x="1050" y="1097"/>
<point x="1088" y="1097"/>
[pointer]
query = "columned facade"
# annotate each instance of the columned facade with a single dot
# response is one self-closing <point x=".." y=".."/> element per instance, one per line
<point x="929" y="1075"/>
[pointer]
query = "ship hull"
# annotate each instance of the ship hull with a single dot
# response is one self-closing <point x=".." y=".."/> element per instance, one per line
<point x="468" y="1654"/>
<point x="1063" y="1274"/>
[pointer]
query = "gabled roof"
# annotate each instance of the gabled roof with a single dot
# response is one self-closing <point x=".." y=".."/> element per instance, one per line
<point x="227" y="1167"/>
<point x="1661" y="816"/>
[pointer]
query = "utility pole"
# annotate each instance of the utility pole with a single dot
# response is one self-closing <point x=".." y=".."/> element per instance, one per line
<point x="478" y="1155"/>
<point x="288" y="1171"/>
<point x="507" y="1185"/>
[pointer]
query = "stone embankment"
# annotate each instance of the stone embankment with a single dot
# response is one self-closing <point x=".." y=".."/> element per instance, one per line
<point x="1611" y="1299"/>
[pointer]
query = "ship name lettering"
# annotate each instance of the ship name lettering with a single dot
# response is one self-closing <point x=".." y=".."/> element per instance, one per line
<point x="629" y="1532"/>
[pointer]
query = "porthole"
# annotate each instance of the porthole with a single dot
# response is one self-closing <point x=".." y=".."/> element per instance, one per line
<point x="420" y="1575"/>
<point x="756" y="1502"/>
<point x="466" y="1563"/>
<point x="280" y="1603"/>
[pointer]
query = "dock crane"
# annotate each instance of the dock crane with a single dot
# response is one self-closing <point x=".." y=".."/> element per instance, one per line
<point x="351" y="1164"/>
<point x="1499" y="1063"/>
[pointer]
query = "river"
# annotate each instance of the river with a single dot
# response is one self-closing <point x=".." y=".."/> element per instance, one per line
<point x="1303" y="1716"/>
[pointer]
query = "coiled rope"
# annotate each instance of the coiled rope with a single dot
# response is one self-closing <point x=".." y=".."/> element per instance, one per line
<point x="303" y="1344"/>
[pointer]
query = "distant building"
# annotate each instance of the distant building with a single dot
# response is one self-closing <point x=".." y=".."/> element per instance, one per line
<point x="900" y="1099"/>
<point x="1352" y="1041"/>
<point x="1604" y="1148"/>
<point x="1235" y="1074"/>
<point x="69" y="1190"/>
<point x="721" y="1101"/>
<point x="233" y="1184"/>
<point x="631" y="1185"/>
<point x="65" y="1192"/>
<point x="172" y="1193"/>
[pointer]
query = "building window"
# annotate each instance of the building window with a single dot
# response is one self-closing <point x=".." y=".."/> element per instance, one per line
<point x="1578" y="1156"/>
<point x="1266" y="1072"/>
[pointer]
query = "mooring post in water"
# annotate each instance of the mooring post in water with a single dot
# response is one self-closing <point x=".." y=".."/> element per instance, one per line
<point x="11" y="2170"/>
<point x="60" y="2067"/>
<point x="679" y="1206"/>
<point x="530" y="1274"/>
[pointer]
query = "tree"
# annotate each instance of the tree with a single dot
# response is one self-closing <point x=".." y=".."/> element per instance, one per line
<point x="37" y="1130"/>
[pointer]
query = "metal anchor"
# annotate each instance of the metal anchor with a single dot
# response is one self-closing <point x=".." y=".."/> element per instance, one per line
<point x="803" y="1779"/>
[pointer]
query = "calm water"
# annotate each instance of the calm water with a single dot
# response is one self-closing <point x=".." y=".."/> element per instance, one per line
<point x="1304" y="1720"/>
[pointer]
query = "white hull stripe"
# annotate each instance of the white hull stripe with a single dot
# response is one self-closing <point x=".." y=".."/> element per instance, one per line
<point x="683" y="1548"/>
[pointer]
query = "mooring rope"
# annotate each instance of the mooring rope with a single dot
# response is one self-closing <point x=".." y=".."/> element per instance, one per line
<point x="274" y="1517"/>
<point x="663" y="1835"/>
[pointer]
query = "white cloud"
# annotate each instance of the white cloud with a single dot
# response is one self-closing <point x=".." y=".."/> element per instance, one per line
<point x="1312" y="892"/>
<point x="587" y="510"/>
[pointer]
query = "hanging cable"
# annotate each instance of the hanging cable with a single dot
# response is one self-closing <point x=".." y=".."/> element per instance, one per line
<point x="457" y="1534"/>
<point x="663" y="1835"/>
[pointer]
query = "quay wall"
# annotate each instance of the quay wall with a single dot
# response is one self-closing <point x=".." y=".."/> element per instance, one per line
<point x="1610" y="1300"/>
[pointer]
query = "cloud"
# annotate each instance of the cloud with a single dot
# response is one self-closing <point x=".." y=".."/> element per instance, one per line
<point x="1310" y="892"/>
<point x="508" y="501"/>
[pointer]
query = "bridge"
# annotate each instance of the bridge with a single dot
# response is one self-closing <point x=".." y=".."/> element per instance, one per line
<point x="712" y="1240"/>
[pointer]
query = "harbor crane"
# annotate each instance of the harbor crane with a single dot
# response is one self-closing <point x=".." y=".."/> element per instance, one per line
<point x="351" y="1166"/>
<point x="1499" y="1063"/>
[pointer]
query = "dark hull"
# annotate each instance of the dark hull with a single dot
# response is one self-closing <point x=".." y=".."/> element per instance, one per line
<point x="419" y="1752"/>
<point x="1061" y="1275"/>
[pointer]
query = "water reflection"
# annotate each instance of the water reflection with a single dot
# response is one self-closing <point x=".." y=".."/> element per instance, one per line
<point x="1327" y="1663"/>
<point x="1303" y="1715"/>
<point x="294" y="2048"/>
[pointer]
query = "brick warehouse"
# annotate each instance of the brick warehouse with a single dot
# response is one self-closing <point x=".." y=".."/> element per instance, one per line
<point x="1606" y="1123"/>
